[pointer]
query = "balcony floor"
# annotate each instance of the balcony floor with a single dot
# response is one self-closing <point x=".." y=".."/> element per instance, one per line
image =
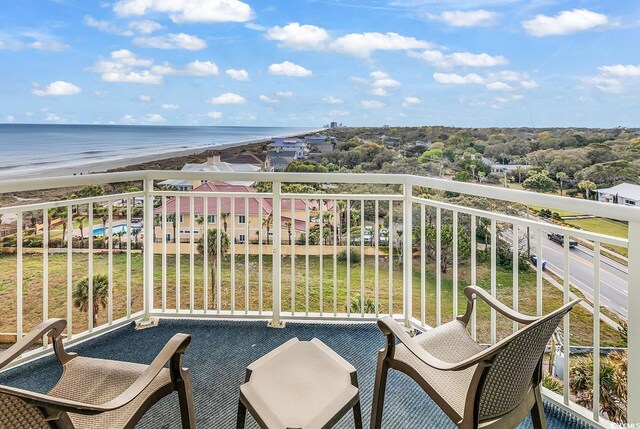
<point x="221" y="350"/>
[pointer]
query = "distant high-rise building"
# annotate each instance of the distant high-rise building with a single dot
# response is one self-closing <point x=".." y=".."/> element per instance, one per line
<point x="334" y="125"/>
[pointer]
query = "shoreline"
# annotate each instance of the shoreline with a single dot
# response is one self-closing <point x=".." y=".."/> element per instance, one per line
<point x="163" y="160"/>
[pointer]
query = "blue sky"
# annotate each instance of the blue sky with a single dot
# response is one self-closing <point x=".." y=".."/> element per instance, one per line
<point x="307" y="62"/>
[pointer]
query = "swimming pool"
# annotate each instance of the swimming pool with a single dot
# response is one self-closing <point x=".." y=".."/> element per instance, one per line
<point x="115" y="230"/>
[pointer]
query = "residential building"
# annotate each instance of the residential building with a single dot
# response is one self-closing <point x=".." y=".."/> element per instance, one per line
<point x="295" y="146"/>
<point x="626" y="194"/>
<point x="279" y="161"/>
<point x="320" y="143"/>
<point x="502" y="168"/>
<point x="213" y="165"/>
<point x="240" y="218"/>
<point x="259" y="160"/>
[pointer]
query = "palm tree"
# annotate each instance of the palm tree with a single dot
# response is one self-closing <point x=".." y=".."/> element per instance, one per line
<point x="587" y="186"/>
<point x="224" y="217"/>
<point x="613" y="384"/>
<point x="172" y="218"/>
<point x="81" y="220"/>
<point x="288" y="225"/>
<point x="119" y="235"/>
<point x="266" y="223"/>
<point x="212" y="251"/>
<point x="135" y="232"/>
<point x="561" y="176"/>
<point x="100" y="295"/>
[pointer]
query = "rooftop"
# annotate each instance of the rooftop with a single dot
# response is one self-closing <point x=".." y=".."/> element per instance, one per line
<point x="627" y="190"/>
<point x="221" y="350"/>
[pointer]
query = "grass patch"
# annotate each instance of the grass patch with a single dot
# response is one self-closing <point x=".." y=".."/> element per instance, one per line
<point x="604" y="226"/>
<point x="307" y="292"/>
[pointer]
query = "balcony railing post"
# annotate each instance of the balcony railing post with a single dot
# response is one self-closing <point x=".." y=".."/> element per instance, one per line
<point x="277" y="255"/>
<point x="407" y="254"/>
<point x="633" y="336"/>
<point x="148" y="247"/>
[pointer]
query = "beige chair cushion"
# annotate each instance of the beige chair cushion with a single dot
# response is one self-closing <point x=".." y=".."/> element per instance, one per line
<point x="450" y="343"/>
<point x="97" y="381"/>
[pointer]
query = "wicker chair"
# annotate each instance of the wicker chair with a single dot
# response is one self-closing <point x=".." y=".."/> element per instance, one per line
<point x="476" y="387"/>
<point x="95" y="393"/>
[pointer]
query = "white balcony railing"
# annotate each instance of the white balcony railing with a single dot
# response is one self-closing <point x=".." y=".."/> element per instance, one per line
<point x="391" y="247"/>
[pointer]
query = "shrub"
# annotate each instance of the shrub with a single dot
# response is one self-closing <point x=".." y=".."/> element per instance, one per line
<point x="369" y="305"/>
<point x="552" y="383"/>
<point x="355" y="256"/>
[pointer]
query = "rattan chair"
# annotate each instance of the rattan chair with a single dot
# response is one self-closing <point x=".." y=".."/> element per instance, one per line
<point x="476" y="387"/>
<point x="95" y="393"/>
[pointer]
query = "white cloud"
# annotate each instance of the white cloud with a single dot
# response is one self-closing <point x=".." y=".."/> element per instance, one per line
<point x="469" y="18"/>
<point x="241" y="75"/>
<point x="53" y="117"/>
<point x="31" y="40"/>
<point x="172" y="41"/>
<point x="100" y="94"/>
<point x="105" y="26"/>
<point x="372" y="104"/>
<point x="144" y="98"/>
<point x="169" y="106"/>
<point x="411" y="101"/>
<point x="332" y="100"/>
<point x="338" y="113"/>
<point x="499" y="86"/>
<point x="57" y="88"/>
<point x="459" y="59"/>
<point x="214" y="115"/>
<point x="285" y="94"/>
<point x="127" y="57"/>
<point x="288" y="68"/>
<point x="361" y="45"/>
<point x="128" y="119"/>
<point x="456" y="79"/>
<point x="380" y="92"/>
<point x="299" y="37"/>
<point x="385" y="83"/>
<point x="621" y="70"/>
<point x="227" y="98"/>
<point x="201" y="68"/>
<point x="145" y="26"/>
<point x="9" y="119"/>
<point x="188" y="10"/>
<point x="517" y="97"/>
<point x="565" y="22"/>
<point x="529" y="84"/>
<point x="154" y="118"/>
<point x="606" y="84"/>
<point x="124" y="66"/>
<point x="268" y="99"/>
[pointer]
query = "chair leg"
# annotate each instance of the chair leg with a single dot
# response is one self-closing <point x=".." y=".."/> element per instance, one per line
<point x="378" y="392"/>
<point x="537" y="412"/>
<point x="357" y="415"/>
<point x="185" y="399"/>
<point x="242" y="415"/>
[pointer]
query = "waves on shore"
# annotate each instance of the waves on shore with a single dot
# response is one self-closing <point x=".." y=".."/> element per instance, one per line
<point x="29" y="149"/>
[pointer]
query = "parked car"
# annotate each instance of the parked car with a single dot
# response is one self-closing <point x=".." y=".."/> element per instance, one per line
<point x="559" y="238"/>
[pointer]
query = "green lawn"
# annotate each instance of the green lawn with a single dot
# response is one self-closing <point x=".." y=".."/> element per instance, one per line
<point x="604" y="226"/>
<point x="581" y="321"/>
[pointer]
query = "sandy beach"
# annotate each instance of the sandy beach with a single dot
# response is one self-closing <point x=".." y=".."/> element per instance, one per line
<point x="164" y="160"/>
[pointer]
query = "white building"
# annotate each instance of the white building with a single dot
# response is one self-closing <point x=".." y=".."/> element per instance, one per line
<point x="626" y="194"/>
<point x="213" y="165"/>
<point x="292" y="145"/>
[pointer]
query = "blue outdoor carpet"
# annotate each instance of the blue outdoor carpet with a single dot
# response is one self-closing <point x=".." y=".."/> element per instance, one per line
<point x="219" y="354"/>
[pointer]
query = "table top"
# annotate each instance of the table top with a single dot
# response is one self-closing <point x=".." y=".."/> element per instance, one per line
<point x="300" y="384"/>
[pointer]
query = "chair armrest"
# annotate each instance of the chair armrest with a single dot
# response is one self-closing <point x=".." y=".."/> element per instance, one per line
<point x="391" y="328"/>
<point x="176" y="345"/>
<point x="53" y="327"/>
<point x="470" y="291"/>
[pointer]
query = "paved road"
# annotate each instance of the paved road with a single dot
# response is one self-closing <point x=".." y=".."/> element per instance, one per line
<point x="613" y="276"/>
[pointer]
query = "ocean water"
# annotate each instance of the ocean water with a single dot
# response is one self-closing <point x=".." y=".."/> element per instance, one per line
<point x="26" y="149"/>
